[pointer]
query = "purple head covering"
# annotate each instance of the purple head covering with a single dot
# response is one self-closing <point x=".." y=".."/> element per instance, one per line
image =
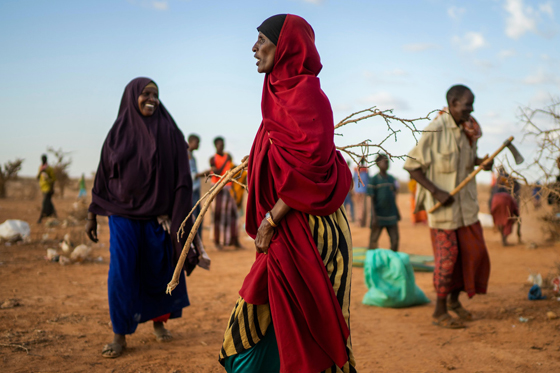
<point x="144" y="168"/>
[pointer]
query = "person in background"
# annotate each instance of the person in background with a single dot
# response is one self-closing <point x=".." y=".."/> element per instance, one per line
<point x="445" y="155"/>
<point x="416" y="216"/>
<point x="504" y="183"/>
<point x="361" y="179"/>
<point x="348" y="202"/>
<point x="536" y="194"/>
<point x="225" y="208"/>
<point x="504" y="204"/>
<point x="553" y="198"/>
<point x="238" y="191"/>
<point x="194" y="142"/>
<point x="383" y="190"/>
<point x="46" y="179"/>
<point x="82" y="186"/>
<point x="143" y="184"/>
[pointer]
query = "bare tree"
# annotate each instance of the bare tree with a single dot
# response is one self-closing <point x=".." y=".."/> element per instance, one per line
<point x="60" y="168"/>
<point x="10" y="171"/>
<point x="542" y="130"/>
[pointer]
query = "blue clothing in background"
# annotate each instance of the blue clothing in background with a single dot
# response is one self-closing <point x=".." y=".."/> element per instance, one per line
<point x="196" y="212"/>
<point x="195" y="190"/>
<point x="348" y="202"/>
<point x="82" y="193"/>
<point x="359" y="187"/>
<point x="140" y="268"/>
<point x="194" y="172"/>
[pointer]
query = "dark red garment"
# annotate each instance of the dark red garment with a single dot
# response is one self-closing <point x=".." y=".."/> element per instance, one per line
<point x="294" y="158"/>
<point x="144" y="169"/>
<point x="162" y="318"/>
<point x="461" y="260"/>
<point x="504" y="211"/>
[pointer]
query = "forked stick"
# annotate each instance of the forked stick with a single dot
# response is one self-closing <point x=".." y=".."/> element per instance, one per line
<point x="217" y="188"/>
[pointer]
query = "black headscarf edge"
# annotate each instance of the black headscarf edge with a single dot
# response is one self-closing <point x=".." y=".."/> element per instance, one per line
<point x="272" y="26"/>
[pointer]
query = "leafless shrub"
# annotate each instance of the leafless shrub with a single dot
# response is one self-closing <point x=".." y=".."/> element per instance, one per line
<point x="542" y="130"/>
<point x="9" y="172"/>
<point x="61" y="168"/>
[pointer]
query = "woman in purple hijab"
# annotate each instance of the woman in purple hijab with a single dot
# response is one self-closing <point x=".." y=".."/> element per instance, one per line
<point x="143" y="184"/>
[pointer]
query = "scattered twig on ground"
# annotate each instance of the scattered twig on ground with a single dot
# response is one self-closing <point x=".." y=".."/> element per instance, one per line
<point x="448" y="341"/>
<point x="13" y="345"/>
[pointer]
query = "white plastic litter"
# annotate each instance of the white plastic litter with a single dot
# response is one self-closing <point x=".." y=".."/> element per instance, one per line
<point x="486" y="220"/>
<point x="13" y="230"/>
<point x="66" y="245"/>
<point x="535" y="279"/>
<point x="51" y="254"/>
<point x="80" y="253"/>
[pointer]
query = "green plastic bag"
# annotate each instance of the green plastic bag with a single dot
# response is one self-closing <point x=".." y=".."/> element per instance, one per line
<point x="390" y="280"/>
<point x="418" y="261"/>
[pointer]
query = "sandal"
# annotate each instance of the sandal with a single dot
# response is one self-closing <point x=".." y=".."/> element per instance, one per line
<point x="460" y="311"/>
<point x="448" y="322"/>
<point x="113" y="350"/>
<point x="163" y="335"/>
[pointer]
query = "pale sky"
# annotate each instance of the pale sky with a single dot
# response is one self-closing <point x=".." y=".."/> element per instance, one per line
<point x="64" y="66"/>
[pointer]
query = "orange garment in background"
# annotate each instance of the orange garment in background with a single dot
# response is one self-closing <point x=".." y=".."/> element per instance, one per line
<point x="237" y="190"/>
<point x="218" y="163"/>
<point x="420" y="216"/>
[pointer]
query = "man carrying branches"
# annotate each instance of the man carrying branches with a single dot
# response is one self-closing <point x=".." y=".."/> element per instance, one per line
<point x="445" y="156"/>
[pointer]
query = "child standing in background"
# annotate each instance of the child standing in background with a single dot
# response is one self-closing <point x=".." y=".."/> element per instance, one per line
<point x="82" y="186"/>
<point x="384" y="212"/>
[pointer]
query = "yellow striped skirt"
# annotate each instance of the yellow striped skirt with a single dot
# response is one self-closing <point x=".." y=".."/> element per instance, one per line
<point x="248" y="322"/>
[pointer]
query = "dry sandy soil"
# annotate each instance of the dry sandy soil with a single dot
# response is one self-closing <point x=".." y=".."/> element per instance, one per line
<point x="62" y="321"/>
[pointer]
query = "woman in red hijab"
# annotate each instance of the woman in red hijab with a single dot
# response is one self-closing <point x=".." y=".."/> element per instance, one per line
<point x="293" y="313"/>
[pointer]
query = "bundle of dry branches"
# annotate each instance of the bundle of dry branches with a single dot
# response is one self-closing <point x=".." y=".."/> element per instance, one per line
<point x="209" y="196"/>
<point x="365" y="148"/>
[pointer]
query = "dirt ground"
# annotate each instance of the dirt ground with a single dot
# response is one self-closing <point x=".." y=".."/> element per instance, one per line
<point x="62" y="320"/>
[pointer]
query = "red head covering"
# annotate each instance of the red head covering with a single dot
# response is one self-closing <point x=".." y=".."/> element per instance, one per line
<point x="471" y="127"/>
<point x="294" y="158"/>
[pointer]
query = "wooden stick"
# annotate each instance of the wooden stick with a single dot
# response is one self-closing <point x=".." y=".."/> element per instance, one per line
<point x="474" y="173"/>
<point x="226" y="178"/>
<point x="13" y="345"/>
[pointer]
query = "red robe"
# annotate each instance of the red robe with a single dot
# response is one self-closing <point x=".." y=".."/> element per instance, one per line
<point x="504" y="211"/>
<point x="294" y="158"/>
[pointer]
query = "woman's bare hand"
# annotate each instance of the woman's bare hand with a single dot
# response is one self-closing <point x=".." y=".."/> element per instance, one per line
<point x="91" y="227"/>
<point x="165" y="222"/>
<point x="264" y="236"/>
